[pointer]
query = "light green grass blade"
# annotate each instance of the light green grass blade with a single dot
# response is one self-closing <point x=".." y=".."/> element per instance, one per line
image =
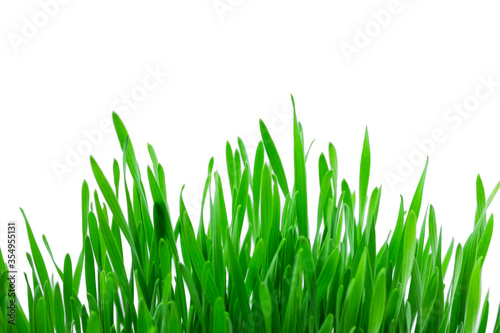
<point x="274" y="158"/>
<point x="377" y="305"/>
<point x="90" y="269"/>
<point x="490" y="199"/>
<point x="354" y="295"/>
<point x="327" y="274"/>
<point x="116" y="260"/>
<point x="325" y="190"/>
<point x="408" y="253"/>
<point x="484" y="243"/>
<point x="85" y="207"/>
<point x="327" y="325"/>
<point x="290" y="317"/>
<point x="76" y="310"/>
<point x="195" y="297"/>
<point x="112" y="201"/>
<point x="37" y="256"/>
<point x="41" y="316"/>
<point x="154" y="158"/>
<point x="310" y="278"/>
<point x="187" y="237"/>
<point x="300" y="177"/>
<point x="332" y="153"/>
<point x="430" y="294"/>
<point x="473" y="298"/>
<point x="270" y="279"/>
<point x="146" y="323"/>
<point x="78" y="272"/>
<point x="58" y="309"/>
<point x="238" y="279"/>
<point x="364" y="176"/>
<point x="266" y="306"/>
<point x="481" y="201"/>
<point x="254" y="266"/>
<point x="257" y="176"/>
<point x="49" y="250"/>
<point x="230" y="166"/>
<point x="219" y="317"/>
<point x="244" y="155"/>
<point x="417" y="197"/>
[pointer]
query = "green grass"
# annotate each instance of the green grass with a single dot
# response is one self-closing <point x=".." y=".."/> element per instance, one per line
<point x="275" y="277"/>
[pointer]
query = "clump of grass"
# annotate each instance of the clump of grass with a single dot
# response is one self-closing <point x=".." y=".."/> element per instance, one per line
<point x="271" y="278"/>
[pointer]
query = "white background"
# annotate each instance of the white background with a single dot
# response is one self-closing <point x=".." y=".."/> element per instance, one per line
<point x="226" y="70"/>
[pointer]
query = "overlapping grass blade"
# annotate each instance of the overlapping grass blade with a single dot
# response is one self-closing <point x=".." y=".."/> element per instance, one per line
<point x="251" y="266"/>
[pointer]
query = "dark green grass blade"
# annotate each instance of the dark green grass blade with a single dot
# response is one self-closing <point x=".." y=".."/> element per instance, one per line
<point x="484" y="315"/>
<point x="90" y="269"/>
<point x="68" y="290"/>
